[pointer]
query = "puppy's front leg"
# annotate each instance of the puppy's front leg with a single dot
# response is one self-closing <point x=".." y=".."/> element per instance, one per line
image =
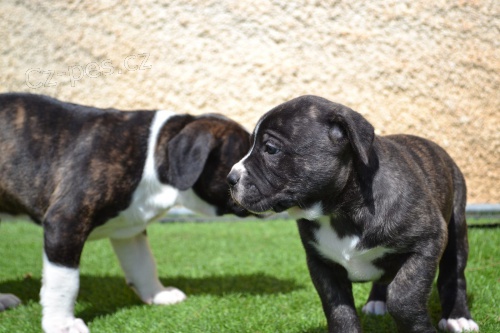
<point x="140" y="271"/>
<point x="335" y="292"/>
<point x="408" y="294"/>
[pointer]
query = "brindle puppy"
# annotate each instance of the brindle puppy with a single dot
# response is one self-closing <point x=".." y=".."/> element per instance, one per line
<point x="388" y="209"/>
<point x="88" y="173"/>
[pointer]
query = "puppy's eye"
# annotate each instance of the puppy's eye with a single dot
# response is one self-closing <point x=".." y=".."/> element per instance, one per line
<point x="271" y="149"/>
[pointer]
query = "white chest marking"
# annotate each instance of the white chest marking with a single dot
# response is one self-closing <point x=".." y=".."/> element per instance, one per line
<point x="312" y="213"/>
<point x="344" y="251"/>
<point x="150" y="200"/>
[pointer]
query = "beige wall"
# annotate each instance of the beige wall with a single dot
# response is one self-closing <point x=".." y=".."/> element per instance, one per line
<point x="429" y="68"/>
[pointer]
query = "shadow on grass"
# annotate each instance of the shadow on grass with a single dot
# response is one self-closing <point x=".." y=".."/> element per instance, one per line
<point x="245" y="284"/>
<point x="105" y="295"/>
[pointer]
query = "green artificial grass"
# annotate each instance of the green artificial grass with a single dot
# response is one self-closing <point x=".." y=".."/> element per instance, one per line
<point x="246" y="276"/>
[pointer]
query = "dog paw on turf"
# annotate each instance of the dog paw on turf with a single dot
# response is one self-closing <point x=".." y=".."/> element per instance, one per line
<point x="69" y="325"/>
<point x="377" y="308"/>
<point x="169" y="296"/>
<point x="458" y="325"/>
<point x="8" y="301"/>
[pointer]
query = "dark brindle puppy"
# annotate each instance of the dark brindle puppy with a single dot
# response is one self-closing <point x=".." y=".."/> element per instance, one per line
<point x="369" y="208"/>
<point x="87" y="173"/>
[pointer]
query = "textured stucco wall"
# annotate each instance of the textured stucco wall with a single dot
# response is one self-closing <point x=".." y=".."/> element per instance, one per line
<point x="429" y="68"/>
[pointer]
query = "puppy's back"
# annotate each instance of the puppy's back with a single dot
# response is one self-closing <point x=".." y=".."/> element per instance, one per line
<point x="436" y="171"/>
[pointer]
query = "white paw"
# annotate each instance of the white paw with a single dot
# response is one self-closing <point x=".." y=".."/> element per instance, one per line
<point x="169" y="296"/>
<point x="377" y="308"/>
<point x="8" y="301"/>
<point x="70" y="325"/>
<point x="458" y="325"/>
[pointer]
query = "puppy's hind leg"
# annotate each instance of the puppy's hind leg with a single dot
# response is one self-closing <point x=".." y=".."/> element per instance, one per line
<point x="376" y="303"/>
<point x="61" y="276"/>
<point x="451" y="280"/>
<point x="140" y="271"/>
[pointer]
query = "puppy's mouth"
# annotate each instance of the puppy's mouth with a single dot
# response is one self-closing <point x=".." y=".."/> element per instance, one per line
<point x="263" y="207"/>
<point x="258" y="202"/>
<point x="256" y="208"/>
<point x="235" y="209"/>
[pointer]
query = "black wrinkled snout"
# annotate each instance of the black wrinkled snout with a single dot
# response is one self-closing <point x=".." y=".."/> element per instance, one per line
<point x="233" y="178"/>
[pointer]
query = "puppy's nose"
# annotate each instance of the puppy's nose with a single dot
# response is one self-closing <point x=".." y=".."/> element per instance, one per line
<point x="233" y="178"/>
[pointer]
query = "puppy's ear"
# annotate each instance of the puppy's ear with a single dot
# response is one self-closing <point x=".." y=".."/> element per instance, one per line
<point x="187" y="154"/>
<point x="359" y="131"/>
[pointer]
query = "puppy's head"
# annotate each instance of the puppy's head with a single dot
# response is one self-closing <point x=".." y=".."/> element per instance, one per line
<point x="201" y="154"/>
<point x="303" y="151"/>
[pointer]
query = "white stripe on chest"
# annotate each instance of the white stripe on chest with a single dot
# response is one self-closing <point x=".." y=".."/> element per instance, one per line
<point x="345" y="251"/>
<point x="150" y="200"/>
